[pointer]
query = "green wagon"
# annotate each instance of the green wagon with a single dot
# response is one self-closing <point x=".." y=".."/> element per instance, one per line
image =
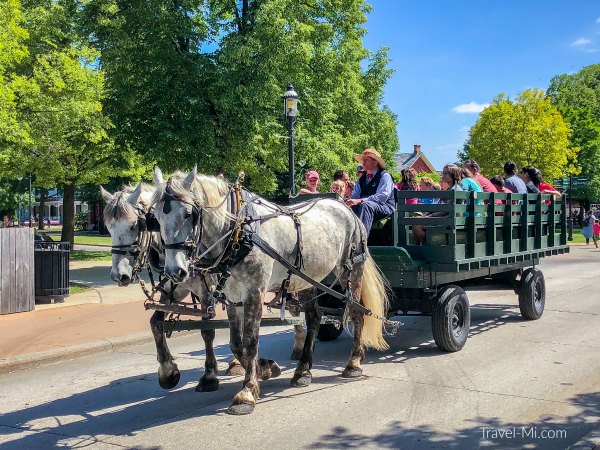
<point x="480" y="237"/>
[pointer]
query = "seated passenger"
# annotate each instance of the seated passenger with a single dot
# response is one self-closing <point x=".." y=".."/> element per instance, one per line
<point x="485" y="184"/>
<point x="512" y="181"/>
<point x="373" y="194"/>
<point x="408" y="183"/>
<point x="530" y="177"/>
<point x="451" y="178"/>
<point x="339" y="187"/>
<point x="312" y="181"/>
<point x="427" y="184"/>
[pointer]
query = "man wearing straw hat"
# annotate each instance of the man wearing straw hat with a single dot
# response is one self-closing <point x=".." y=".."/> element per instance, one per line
<point x="373" y="194"/>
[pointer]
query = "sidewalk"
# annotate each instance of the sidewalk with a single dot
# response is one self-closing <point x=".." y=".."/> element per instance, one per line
<point x="101" y="319"/>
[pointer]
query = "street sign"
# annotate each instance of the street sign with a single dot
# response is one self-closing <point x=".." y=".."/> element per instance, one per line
<point x="563" y="183"/>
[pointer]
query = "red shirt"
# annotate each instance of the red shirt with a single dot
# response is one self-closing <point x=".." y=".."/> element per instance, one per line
<point x="546" y="187"/>
<point x="485" y="184"/>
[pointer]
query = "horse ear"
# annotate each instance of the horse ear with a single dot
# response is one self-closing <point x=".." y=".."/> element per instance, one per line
<point x="158" y="177"/>
<point x="107" y="196"/>
<point x="135" y="195"/>
<point x="189" y="179"/>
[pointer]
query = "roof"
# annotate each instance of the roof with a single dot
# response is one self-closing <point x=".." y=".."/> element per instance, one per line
<point x="407" y="160"/>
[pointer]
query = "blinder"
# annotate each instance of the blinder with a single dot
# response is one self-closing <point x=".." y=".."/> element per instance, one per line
<point x="151" y="223"/>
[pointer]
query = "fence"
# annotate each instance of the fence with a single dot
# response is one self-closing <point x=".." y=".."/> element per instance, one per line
<point x="16" y="270"/>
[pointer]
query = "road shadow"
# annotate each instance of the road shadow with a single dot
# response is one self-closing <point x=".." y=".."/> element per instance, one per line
<point x="128" y="404"/>
<point x="549" y="432"/>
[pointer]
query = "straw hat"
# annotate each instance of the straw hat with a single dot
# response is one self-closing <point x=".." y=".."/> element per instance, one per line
<point x="371" y="153"/>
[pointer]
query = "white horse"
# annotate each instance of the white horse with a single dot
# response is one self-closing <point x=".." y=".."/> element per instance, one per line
<point x="197" y="212"/>
<point x="125" y="219"/>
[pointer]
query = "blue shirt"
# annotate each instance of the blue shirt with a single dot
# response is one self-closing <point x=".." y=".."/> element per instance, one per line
<point x="515" y="184"/>
<point x="384" y="190"/>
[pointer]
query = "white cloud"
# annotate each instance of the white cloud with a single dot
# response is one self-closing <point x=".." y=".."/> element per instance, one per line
<point x="470" y="108"/>
<point x="581" y="42"/>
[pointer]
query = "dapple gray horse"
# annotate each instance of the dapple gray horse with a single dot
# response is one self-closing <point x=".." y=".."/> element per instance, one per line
<point x="124" y="214"/>
<point x="196" y="208"/>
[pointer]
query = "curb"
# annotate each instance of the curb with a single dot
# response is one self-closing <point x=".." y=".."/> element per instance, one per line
<point x="590" y="441"/>
<point x="33" y="360"/>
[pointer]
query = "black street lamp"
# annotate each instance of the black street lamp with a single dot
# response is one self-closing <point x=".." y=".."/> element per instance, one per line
<point x="571" y="218"/>
<point x="290" y="108"/>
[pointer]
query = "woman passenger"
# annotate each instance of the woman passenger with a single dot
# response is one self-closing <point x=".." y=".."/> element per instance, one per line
<point x="451" y="178"/>
<point x="408" y="183"/>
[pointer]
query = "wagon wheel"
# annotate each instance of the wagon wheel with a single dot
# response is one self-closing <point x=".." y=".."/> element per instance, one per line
<point x="451" y="318"/>
<point x="330" y="331"/>
<point x="532" y="295"/>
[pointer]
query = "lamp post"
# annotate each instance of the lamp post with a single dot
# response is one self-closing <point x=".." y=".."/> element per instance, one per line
<point x="290" y="108"/>
<point x="570" y="236"/>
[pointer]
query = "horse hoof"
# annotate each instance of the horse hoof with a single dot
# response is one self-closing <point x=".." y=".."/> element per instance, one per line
<point x="275" y="370"/>
<point x="296" y="355"/>
<point x="240" y="409"/>
<point x="207" y="385"/>
<point x="170" y="380"/>
<point x="235" y="371"/>
<point x="351" y="372"/>
<point x="301" y="381"/>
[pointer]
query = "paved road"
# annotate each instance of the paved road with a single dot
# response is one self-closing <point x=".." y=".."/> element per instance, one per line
<point x="513" y="376"/>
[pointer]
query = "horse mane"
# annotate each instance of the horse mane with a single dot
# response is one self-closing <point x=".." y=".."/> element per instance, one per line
<point x="120" y="208"/>
<point x="206" y="191"/>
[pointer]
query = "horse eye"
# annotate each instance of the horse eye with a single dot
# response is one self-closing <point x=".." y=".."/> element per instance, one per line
<point x="133" y="226"/>
<point x="188" y="214"/>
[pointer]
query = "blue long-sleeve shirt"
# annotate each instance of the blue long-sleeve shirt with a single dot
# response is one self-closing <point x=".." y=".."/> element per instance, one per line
<point x="384" y="189"/>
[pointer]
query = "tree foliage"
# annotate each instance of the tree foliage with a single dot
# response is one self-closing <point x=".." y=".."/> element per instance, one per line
<point x="193" y="82"/>
<point x="577" y="97"/>
<point x="60" y="132"/>
<point x="528" y="130"/>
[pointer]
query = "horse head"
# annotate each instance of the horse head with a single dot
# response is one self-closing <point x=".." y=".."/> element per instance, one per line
<point x="124" y="217"/>
<point x="178" y="215"/>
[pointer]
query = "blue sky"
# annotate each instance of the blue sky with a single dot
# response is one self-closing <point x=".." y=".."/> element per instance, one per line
<point x="454" y="57"/>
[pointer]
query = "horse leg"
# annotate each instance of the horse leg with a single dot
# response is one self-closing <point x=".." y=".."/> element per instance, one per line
<point x="299" y="335"/>
<point x="209" y="381"/>
<point x="267" y="368"/>
<point x="168" y="373"/>
<point x="235" y="342"/>
<point x="245" y="400"/>
<point x="353" y="368"/>
<point x="302" y="375"/>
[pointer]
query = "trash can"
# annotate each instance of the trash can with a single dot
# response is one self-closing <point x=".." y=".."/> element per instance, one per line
<point x="51" y="261"/>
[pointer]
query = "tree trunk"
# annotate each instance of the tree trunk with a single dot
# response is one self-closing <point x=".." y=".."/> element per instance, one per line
<point x="43" y="198"/>
<point x="68" y="213"/>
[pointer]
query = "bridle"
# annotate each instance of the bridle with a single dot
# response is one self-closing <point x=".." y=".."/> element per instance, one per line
<point x="138" y="249"/>
<point x="198" y="262"/>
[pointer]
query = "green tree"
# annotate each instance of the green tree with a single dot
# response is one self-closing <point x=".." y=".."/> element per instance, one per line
<point x="68" y="139"/>
<point x="528" y="130"/>
<point x="204" y="86"/>
<point x="577" y="97"/>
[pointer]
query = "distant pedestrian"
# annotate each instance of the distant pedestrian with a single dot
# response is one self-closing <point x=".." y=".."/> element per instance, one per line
<point x="588" y="226"/>
<point x="596" y="232"/>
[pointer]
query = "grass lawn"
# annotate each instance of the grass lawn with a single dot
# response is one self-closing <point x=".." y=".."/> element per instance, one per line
<point x="92" y="239"/>
<point x="81" y="237"/>
<point x="75" y="288"/>
<point x="82" y="255"/>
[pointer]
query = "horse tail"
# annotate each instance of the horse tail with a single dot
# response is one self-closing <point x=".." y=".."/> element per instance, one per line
<point x="373" y="295"/>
